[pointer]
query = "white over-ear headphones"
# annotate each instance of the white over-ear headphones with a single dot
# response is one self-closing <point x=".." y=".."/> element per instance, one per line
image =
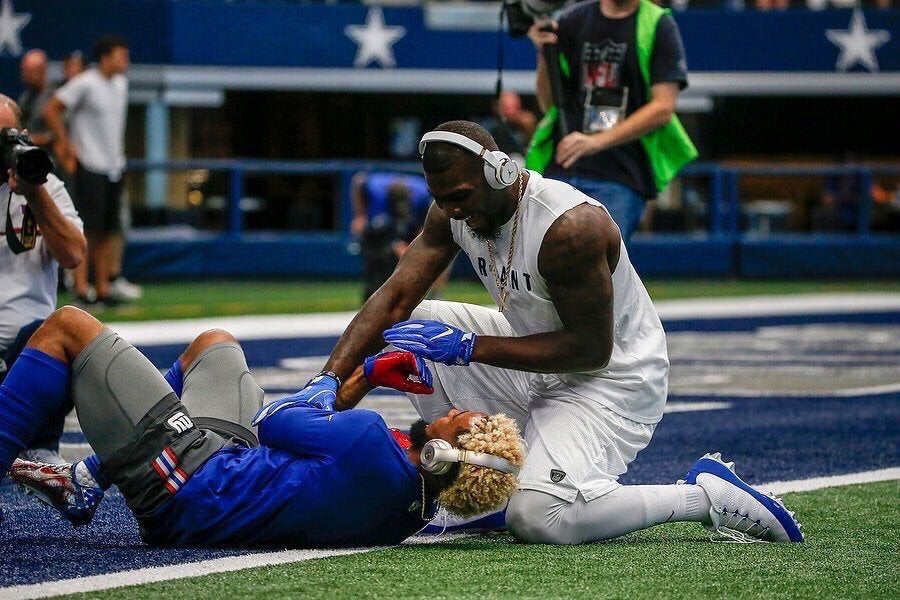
<point x="500" y="170"/>
<point x="438" y="456"/>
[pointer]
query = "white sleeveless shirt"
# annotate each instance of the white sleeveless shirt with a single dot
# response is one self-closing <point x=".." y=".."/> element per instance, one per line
<point x="634" y="383"/>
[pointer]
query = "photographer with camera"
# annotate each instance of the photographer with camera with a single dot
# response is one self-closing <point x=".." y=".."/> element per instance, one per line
<point x="622" y="65"/>
<point x="41" y="231"/>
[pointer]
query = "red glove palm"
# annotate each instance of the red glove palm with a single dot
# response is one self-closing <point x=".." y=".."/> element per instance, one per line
<point x="403" y="371"/>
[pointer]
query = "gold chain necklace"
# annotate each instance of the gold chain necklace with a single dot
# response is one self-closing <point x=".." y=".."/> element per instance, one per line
<point x="502" y="279"/>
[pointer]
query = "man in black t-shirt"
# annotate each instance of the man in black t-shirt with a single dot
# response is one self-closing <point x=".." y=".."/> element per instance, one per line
<point x="606" y="104"/>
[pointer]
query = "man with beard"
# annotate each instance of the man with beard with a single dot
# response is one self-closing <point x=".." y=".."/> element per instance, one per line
<point x="197" y="467"/>
<point x="577" y="354"/>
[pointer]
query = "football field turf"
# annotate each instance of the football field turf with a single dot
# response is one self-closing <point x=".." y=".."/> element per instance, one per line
<point x="790" y="387"/>
<point x="850" y="552"/>
<point x="179" y="300"/>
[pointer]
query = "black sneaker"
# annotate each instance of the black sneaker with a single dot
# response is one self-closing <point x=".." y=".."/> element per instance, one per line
<point x="85" y="301"/>
<point x="108" y="302"/>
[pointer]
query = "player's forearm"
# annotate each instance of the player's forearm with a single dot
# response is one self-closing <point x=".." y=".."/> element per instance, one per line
<point x="647" y="118"/>
<point x="363" y="336"/>
<point x="542" y="84"/>
<point x="352" y="390"/>
<point x="53" y="114"/>
<point x="551" y="352"/>
<point x="64" y="240"/>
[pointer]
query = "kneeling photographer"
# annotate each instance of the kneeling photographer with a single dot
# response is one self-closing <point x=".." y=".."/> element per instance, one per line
<point x="41" y="231"/>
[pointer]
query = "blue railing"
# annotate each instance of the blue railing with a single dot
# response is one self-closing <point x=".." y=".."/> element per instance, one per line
<point x="724" y="202"/>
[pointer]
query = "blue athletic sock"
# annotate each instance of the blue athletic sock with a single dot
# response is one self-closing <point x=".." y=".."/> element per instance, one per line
<point x="36" y="385"/>
<point x="175" y="377"/>
<point x="93" y="465"/>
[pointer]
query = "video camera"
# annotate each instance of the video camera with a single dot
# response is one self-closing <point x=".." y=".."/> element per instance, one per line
<point x="521" y="14"/>
<point x="18" y="152"/>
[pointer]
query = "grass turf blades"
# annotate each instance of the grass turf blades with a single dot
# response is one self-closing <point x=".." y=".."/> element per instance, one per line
<point x="850" y="552"/>
<point x="184" y="300"/>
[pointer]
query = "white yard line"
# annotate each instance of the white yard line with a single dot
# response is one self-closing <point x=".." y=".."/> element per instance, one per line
<point x="733" y="392"/>
<point x="206" y="567"/>
<point x="329" y="324"/>
<point x="679" y="407"/>
<point x="817" y="483"/>
<point x="236" y="563"/>
<point x="792" y="304"/>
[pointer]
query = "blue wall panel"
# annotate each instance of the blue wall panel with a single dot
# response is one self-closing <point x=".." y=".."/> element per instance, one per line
<point x="680" y="256"/>
<point x="266" y="33"/>
<point x="820" y="256"/>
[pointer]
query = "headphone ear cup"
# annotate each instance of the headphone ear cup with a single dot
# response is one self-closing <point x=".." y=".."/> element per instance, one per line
<point x="503" y="172"/>
<point x="429" y="457"/>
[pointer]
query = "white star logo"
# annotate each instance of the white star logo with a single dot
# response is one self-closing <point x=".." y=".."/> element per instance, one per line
<point x="375" y="40"/>
<point x="857" y="43"/>
<point x="11" y="25"/>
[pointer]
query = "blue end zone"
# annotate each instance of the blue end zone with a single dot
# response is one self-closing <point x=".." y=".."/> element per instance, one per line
<point x="776" y="438"/>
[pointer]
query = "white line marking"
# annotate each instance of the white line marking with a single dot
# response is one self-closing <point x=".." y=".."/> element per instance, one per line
<point x="235" y="563"/>
<point x="872" y="390"/>
<point x="762" y="306"/>
<point x="677" y="407"/>
<point x="817" y="483"/>
<point x="206" y="567"/>
<point x="328" y="324"/>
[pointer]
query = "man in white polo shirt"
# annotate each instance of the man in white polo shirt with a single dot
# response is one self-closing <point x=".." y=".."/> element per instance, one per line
<point x="40" y="231"/>
<point x="93" y="149"/>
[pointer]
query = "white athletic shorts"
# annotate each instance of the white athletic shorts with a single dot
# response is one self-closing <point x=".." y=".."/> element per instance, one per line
<point x="575" y="445"/>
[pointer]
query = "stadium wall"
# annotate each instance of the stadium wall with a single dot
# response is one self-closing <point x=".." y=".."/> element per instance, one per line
<point x="329" y="255"/>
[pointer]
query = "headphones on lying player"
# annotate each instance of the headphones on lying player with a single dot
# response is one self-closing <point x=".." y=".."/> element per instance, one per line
<point x="500" y="170"/>
<point x="438" y="456"/>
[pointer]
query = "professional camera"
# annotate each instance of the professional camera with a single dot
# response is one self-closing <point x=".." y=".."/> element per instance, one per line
<point x="520" y="14"/>
<point x="18" y="152"/>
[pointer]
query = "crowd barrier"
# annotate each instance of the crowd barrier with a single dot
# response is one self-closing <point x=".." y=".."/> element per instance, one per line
<point x="721" y="247"/>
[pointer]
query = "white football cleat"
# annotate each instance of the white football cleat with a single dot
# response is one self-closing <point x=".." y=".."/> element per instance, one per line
<point x="738" y="511"/>
<point x="124" y="291"/>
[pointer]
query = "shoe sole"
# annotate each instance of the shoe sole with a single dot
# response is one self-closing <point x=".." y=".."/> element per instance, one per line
<point x="39" y="494"/>
<point x="719" y="469"/>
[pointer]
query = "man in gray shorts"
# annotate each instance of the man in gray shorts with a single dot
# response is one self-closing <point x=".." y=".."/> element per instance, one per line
<point x="197" y="467"/>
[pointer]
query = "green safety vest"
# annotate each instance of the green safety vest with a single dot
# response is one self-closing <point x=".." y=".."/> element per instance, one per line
<point x="668" y="147"/>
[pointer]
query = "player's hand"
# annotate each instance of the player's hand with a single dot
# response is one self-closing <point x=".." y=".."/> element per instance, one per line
<point x="66" y="156"/>
<point x="432" y="339"/>
<point x="17" y="185"/>
<point x="543" y="31"/>
<point x="575" y="145"/>
<point x="320" y="392"/>
<point x="402" y="371"/>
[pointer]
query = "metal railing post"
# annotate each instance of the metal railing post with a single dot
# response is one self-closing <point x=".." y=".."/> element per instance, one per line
<point x="732" y="194"/>
<point x="865" y="201"/>
<point x="343" y="204"/>
<point x="716" y="206"/>
<point x="235" y="218"/>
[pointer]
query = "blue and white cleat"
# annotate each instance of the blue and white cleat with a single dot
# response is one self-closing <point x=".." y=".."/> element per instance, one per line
<point x="738" y="511"/>
<point x="55" y="486"/>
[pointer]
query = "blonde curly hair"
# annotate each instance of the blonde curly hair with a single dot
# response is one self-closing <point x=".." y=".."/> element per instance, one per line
<point x="480" y="489"/>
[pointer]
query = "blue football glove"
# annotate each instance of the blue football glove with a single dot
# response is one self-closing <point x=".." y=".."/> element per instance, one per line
<point x="432" y="339"/>
<point x="320" y="392"/>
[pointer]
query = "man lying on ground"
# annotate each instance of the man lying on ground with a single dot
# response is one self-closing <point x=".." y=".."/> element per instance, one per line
<point x="197" y="467"/>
